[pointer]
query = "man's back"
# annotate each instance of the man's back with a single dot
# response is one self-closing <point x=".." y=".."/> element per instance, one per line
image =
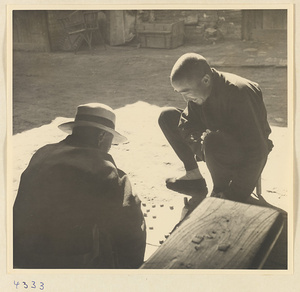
<point x="68" y="209"/>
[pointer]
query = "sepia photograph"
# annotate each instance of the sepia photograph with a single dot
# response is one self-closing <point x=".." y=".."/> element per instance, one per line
<point x="150" y="138"/>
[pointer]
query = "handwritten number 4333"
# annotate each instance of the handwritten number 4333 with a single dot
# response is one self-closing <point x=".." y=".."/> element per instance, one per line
<point x="33" y="285"/>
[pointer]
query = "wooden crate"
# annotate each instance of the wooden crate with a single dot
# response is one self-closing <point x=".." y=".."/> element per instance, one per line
<point x="220" y="234"/>
<point x="161" y="34"/>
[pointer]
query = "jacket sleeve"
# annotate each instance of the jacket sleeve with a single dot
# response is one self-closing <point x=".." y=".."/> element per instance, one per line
<point x="130" y="228"/>
<point x="250" y="118"/>
<point x="190" y="123"/>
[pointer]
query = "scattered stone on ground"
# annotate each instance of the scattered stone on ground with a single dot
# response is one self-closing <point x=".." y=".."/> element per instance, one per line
<point x="149" y="160"/>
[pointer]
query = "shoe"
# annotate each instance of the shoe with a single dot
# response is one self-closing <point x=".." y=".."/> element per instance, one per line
<point x="190" y="205"/>
<point x="220" y="195"/>
<point x="188" y="187"/>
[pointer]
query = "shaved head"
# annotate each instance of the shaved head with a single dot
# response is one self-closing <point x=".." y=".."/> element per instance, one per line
<point x="190" y="66"/>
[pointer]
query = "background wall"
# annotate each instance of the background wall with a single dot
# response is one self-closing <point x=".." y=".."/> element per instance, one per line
<point x="43" y="30"/>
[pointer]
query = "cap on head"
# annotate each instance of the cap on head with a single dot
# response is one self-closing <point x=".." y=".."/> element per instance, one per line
<point x="97" y="115"/>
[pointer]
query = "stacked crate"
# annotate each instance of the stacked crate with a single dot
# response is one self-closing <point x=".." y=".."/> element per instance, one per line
<point x="161" y="34"/>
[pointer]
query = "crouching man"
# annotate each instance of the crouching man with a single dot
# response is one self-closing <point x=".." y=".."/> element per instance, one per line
<point x="74" y="207"/>
<point x="224" y="124"/>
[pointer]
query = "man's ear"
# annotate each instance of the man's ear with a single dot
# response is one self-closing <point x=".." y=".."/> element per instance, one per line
<point x="206" y="80"/>
<point x="101" y="136"/>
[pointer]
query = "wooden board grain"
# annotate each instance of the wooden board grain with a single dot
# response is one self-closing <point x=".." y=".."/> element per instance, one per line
<point x="220" y="234"/>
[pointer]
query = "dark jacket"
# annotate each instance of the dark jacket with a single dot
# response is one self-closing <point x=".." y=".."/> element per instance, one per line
<point x="236" y="107"/>
<point x="75" y="209"/>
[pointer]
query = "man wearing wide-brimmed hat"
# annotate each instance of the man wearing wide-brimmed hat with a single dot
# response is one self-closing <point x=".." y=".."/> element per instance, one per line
<point x="74" y="207"/>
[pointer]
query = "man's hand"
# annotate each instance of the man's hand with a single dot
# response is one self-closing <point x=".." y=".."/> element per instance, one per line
<point x="195" y="137"/>
<point x="204" y="134"/>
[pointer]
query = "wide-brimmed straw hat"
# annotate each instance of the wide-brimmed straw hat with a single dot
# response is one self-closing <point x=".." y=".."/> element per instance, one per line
<point x="95" y="115"/>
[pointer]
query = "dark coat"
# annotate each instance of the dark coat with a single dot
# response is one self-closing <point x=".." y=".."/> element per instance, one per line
<point x="75" y="209"/>
<point x="235" y="106"/>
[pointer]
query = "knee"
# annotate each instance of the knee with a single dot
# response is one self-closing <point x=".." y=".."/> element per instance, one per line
<point x="212" y="141"/>
<point x="169" y="118"/>
<point x="224" y="146"/>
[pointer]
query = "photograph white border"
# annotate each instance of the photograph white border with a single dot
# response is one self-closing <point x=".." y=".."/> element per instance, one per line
<point x="291" y="109"/>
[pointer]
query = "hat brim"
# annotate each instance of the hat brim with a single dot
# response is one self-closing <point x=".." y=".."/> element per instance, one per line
<point x="68" y="128"/>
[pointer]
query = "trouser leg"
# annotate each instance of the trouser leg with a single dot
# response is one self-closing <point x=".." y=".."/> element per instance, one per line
<point x="168" y="122"/>
<point x="222" y="155"/>
<point x="245" y="180"/>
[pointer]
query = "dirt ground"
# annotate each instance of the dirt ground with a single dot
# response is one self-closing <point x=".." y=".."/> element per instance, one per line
<point x="51" y="85"/>
<point x="47" y="88"/>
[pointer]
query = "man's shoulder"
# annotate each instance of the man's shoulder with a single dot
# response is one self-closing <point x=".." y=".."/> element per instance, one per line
<point x="234" y="84"/>
<point x="47" y="149"/>
<point x="62" y="153"/>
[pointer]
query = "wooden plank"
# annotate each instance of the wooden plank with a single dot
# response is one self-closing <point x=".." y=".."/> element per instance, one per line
<point x="279" y="254"/>
<point x="30" y="31"/>
<point x="275" y="19"/>
<point x="161" y="35"/>
<point x="220" y="234"/>
<point x="116" y="28"/>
